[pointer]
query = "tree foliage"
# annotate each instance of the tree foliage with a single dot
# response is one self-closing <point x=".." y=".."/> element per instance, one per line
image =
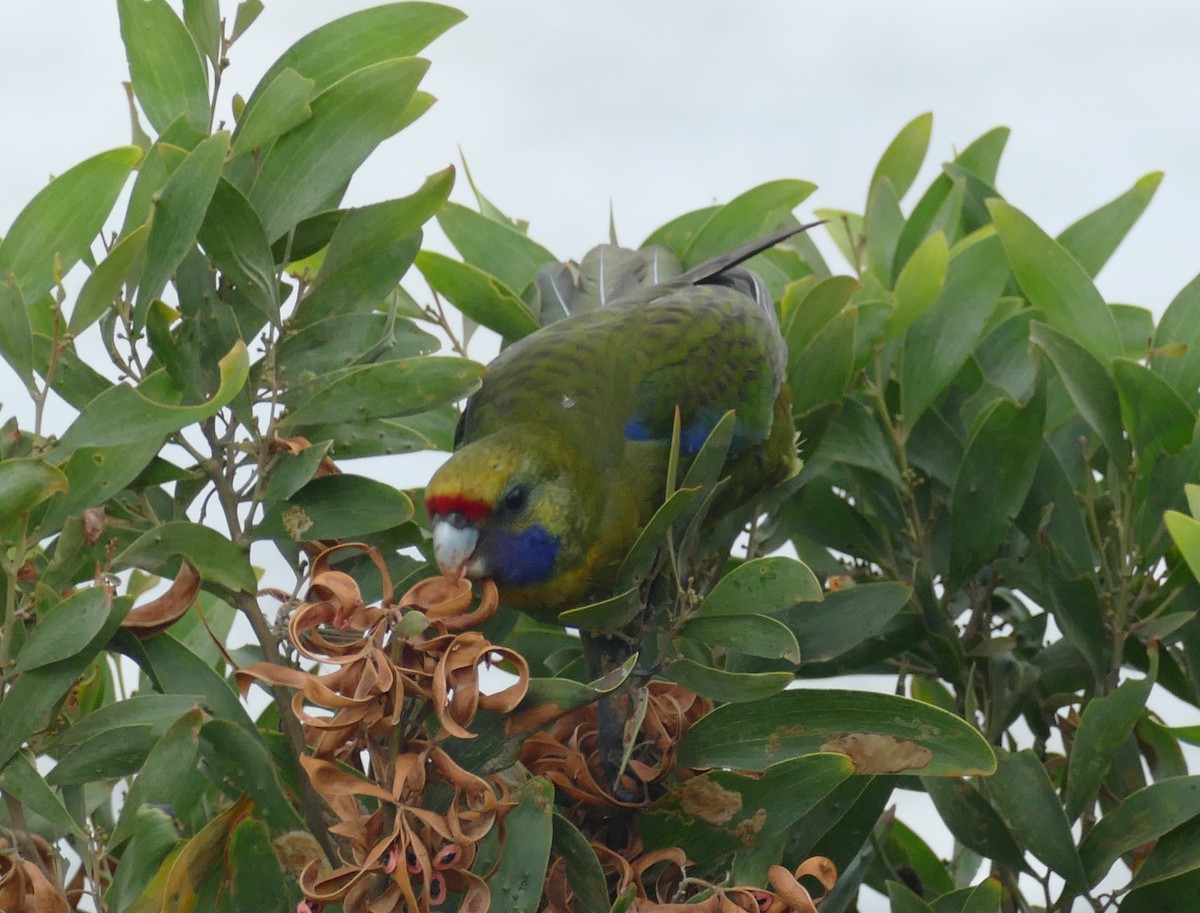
<point x="996" y="510"/>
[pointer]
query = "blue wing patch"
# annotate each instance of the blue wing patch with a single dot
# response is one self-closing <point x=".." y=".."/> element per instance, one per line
<point x="691" y="436"/>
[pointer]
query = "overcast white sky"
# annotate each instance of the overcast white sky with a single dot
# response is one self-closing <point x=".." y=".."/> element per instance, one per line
<point x="664" y="106"/>
<point x="659" y="107"/>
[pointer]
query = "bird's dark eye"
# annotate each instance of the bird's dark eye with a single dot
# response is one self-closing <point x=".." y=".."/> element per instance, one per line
<point x="516" y="498"/>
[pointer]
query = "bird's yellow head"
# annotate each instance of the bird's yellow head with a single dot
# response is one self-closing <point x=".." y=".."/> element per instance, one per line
<point x="515" y="506"/>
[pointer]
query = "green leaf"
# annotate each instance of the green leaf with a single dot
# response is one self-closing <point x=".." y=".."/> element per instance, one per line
<point x="1094" y="238"/>
<point x="610" y="613"/>
<point x="340" y="506"/>
<point x="155" y="834"/>
<point x="432" y="430"/>
<point x="846" y="230"/>
<point x="822" y="373"/>
<point x="678" y="233"/>
<point x="33" y="696"/>
<point x="95" y="474"/>
<point x="762" y="586"/>
<point x="902" y="846"/>
<point x="164" y="63"/>
<point x="218" y="560"/>
<point x="904" y="900"/>
<point x="16" y="336"/>
<point x="1162" y="895"/>
<point x="1185" y="531"/>
<point x="568" y="694"/>
<point x="123" y="414"/>
<point x="903" y="157"/>
<point x="110" y="755"/>
<point x="234" y="239"/>
<point x="169" y="776"/>
<point x="156" y="166"/>
<point x="854" y="437"/>
<point x="747" y="216"/>
<point x="65" y="629"/>
<point x="807" y="308"/>
<point x="940" y="209"/>
<point x="241" y="764"/>
<point x="993" y="479"/>
<point x="316" y="158"/>
<point x="354" y="42"/>
<point x="371" y="249"/>
<point x="1105" y="724"/>
<point x="479" y="296"/>
<point x="104" y="284"/>
<point x="56" y="228"/>
<point x="1090" y="385"/>
<point x="973" y="822"/>
<point x="845" y="619"/>
<point x="1021" y="792"/>
<point x="155" y="712"/>
<point x="335" y="343"/>
<point x="519" y="874"/>
<point x="382" y="390"/>
<point x="173" y="669"/>
<point x="585" y="877"/>
<point x="1055" y="283"/>
<point x="293" y="471"/>
<point x="1136" y="326"/>
<point x="285" y="103"/>
<point x="882" y="223"/>
<point x="1180" y="325"/>
<point x="494" y="247"/>
<point x="642" y="554"/>
<point x="882" y="733"/>
<point x="919" y="284"/>
<point x="203" y="21"/>
<point x="726" y="687"/>
<point x="720" y="812"/>
<point x="177" y="213"/>
<point x="247" y="12"/>
<point x="25" y="483"/>
<point x="1141" y="817"/>
<point x="939" y="343"/>
<point x="985" y="898"/>
<point x="1157" y="418"/>
<point x="256" y="879"/>
<point x="1176" y="853"/>
<point x="21" y="780"/>
<point x="753" y="635"/>
<point x="1077" y="607"/>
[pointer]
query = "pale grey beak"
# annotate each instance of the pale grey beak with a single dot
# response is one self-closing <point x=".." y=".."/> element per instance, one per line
<point x="454" y="548"/>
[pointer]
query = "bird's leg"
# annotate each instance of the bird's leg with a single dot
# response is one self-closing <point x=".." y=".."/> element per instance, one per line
<point x="603" y="653"/>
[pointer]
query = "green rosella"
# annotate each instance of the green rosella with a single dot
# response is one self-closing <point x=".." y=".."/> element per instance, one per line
<point x="561" y="456"/>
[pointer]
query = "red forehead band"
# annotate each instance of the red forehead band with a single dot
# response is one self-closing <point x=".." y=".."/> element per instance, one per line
<point x="471" y="508"/>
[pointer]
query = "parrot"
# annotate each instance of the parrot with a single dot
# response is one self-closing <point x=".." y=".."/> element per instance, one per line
<point x="560" y="457"/>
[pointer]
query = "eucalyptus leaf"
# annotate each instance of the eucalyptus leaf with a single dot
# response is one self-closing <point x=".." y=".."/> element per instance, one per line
<point x="339" y="506"/>
<point x="56" y="228"/>
<point x="123" y="414"/>
<point x="164" y="63"/>
<point x="882" y="733"/>
<point x="349" y="119"/>
<point x="479" y="296"/>
<point x="1055" y="283"/>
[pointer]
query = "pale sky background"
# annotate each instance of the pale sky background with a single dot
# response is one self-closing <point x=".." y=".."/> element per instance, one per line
<point x="659" y="107"/>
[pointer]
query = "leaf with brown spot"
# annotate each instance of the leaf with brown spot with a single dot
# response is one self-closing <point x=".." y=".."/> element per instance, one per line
<point x="873" y="753"/>
<point x="758" y="734"/>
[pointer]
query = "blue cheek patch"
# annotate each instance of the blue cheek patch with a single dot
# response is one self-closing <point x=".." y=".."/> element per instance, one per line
<point x="525" y="558"/>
